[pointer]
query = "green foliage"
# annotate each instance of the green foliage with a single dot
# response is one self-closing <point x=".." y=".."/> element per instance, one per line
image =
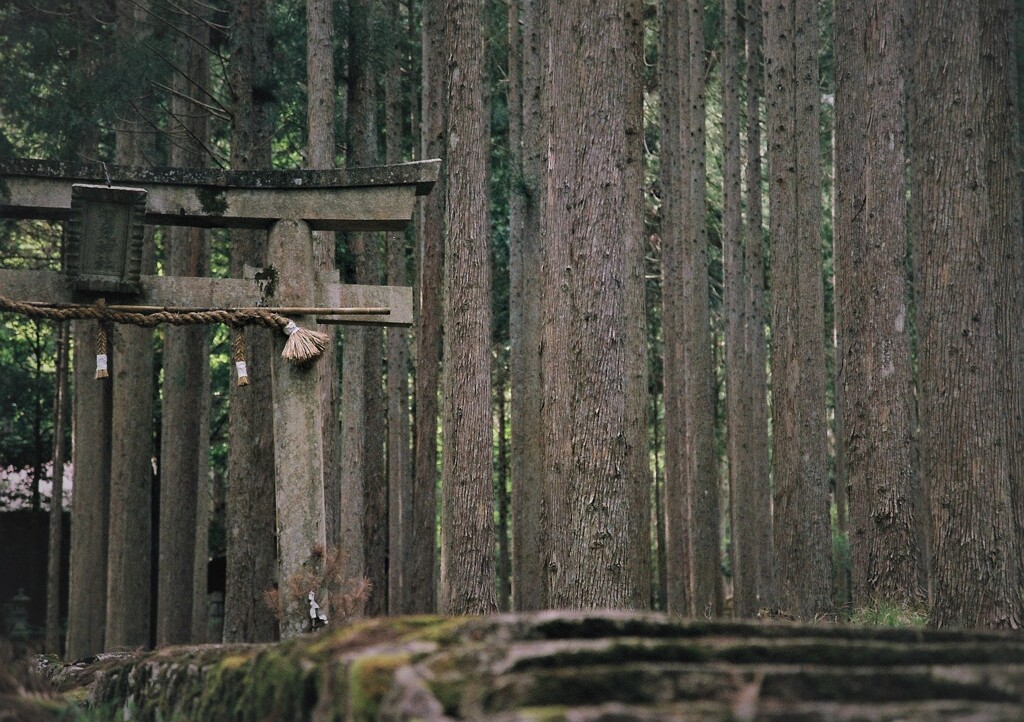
<point x="26" y="357"/>
<point x="840" y="561"/>
<point x="890" y="615"/>
<point x="64" y="75"/>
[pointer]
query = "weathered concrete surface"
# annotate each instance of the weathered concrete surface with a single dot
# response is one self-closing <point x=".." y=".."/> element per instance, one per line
<point x="587" y="666"/>
<point x="353" y="199"/>
<point x="298" y="428"/>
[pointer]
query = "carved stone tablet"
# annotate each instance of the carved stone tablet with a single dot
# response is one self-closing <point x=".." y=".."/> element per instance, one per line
<point x="105" y="237"/>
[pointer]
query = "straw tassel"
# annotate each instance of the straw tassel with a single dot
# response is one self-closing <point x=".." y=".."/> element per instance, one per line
<point x="101" y="351"/>
<point x="238" y="353"/>
<point x="303" y="345"/>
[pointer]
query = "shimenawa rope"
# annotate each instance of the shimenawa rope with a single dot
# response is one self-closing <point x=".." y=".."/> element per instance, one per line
<point x="303" y="346"/>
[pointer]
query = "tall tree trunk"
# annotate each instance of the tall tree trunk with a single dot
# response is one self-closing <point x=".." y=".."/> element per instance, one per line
<point x="527" y="113"/>
<point x="757" y="352"/>
<point x="674" y="90"/>
<point x="37" y="417"/>
<point x="802" y="533"/>
<point x="743" y="472"/>
<point x="699" y="403"/>
<point x="691" y="478"/>
<point x="967" y="434"/>
<point x="428" y="323"/>
<point x="660" y="563"/>
<point x="503" y="566"/>
<point x="467" y="504"/>
<point x="55" y="556"/>
<point x="363" y="472"/>
<point x="594" y="359"/>
<point x="400" y="490"/>
<point x="251" y="506"/>
<point x="1002" y="119"/>
<point x="320" y="90"/>
<point x="878" y="415"/>
<point x="848" y="244"/>
<point x="750" y="499"/>
<point x="185" y="429"/>
<point x="129" y="562"/>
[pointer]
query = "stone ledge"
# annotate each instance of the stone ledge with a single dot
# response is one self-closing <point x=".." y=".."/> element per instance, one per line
<point x="574" y="666"/>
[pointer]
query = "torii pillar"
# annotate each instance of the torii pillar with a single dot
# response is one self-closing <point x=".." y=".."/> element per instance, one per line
<point x="298" y="439"/>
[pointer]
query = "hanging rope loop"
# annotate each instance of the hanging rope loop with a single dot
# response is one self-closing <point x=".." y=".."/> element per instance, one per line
<point x="302" y="348"/>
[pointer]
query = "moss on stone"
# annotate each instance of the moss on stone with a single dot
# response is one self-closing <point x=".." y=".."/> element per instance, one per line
<point x="443" y="630"/>
<point x="543" y="714"/>
<point x="449" y="693"/>
<point x="369" y="633"/>
<point x="274" y="688"/>
<point x="555" y="656"/>
<point x="233" y="662"/>
<point x="212" y="201"/>
<point x="550" y="666"/>
<point x="369" y="680"/>
<point x="216" y="700"/>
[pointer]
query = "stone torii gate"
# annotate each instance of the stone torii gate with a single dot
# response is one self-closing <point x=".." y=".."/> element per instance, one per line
<point x="290" y="204"/>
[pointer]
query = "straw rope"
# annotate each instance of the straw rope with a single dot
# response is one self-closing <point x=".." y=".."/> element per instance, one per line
<point x="303" y="346"/>
<point x="238" y="353"/>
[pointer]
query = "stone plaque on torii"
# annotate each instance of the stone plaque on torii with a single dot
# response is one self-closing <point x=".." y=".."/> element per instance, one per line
<point x="290" y="204"/>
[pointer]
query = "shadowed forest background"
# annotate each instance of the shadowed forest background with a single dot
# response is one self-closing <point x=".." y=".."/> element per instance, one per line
<point x="717" y="312"/>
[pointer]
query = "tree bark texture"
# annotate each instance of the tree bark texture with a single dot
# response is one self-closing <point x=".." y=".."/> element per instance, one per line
<point x="674" y="90"/>
<point x="701" y="448"/>
<point x="848" y="237"/>
<point x="527" y="112"/>
<point x="966" y="430"/>
<point x="878" y="413"/>
<point x="594" y="358"/>
<point x="363" y="434"/>
<point x="1002" y="119"/>
<point x="760" y="516"/>
<point x="399" y="460"/>
<point x="185" y="429"/>
<point x="55" y="542"/>
<point x="320" y="90"/>
<point x="748" y="470"/>
<point x="502" y="502"/>
<point x="691" y="476"/>
<point x="251" y="544"/>
<point x="802" y="532"/>
<point x="430" y="250"/>
<point x="129" y="550"/>
<point x="467" y="504"/>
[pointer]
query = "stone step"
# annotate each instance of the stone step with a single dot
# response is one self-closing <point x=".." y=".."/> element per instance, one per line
<point x="579" y="666"/>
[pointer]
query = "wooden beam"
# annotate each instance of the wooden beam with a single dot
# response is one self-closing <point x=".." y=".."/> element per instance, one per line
<point x="357" y="199"/>
<point x="397" y="298"/>
<point x="51" y="287"/>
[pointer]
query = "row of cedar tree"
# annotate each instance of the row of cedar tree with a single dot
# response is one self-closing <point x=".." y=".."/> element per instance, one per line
<point x="655" y="390"/>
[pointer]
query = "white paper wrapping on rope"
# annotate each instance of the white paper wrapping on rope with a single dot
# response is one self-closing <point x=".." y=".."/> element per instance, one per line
<point x="101" y="362"/>
<point x="243" y="371"/>
<point x="291" y="328"/>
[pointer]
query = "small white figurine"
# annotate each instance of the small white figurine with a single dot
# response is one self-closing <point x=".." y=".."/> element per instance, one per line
<point x="317" y="618"/>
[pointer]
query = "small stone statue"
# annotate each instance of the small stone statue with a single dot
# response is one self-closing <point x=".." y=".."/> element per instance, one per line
<point x="317" y="618"/>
